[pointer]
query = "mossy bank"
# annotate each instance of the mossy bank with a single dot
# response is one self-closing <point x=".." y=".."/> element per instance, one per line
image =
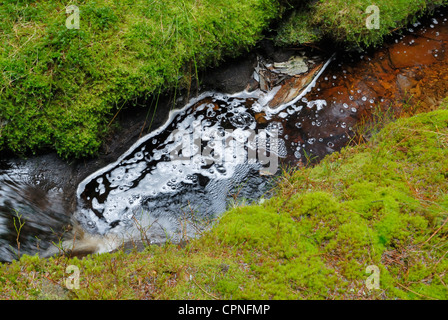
<point x="382" y="204"/>
<point x="61" y="88"/>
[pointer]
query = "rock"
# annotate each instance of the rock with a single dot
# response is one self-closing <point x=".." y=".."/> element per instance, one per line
<point x="293" y="87"/>
<point x="53" y="291"/>
<point x="414" y="51"/>
<point x="230" y="77"/>
<point x="405" y="84"/>
<point x="294" y="66"/>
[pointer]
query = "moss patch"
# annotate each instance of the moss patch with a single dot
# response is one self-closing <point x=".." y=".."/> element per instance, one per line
<point x="382" y="204"/>
<point x="345" y="21"/>
<point x="60" y="86"/>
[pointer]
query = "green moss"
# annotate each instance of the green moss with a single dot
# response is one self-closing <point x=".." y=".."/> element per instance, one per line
<point x="381" y="204"/>
<point x="60" y="87"/>
<point x="345" y="21"/>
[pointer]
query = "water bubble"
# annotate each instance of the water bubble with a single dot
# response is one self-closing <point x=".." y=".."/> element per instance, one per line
<point x="241" y="120"/>
<point x="320" y="104"/>
<point x="139" y="155"/>
<point x="91" y="224"/>
<point x="364" y="99"/>
<point x="210" y="113"/>
<point x="330" y="144"/>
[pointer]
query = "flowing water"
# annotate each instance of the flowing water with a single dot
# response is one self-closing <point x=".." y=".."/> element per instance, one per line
<point x="219" y="147"/>
<point x="27" y="199"/>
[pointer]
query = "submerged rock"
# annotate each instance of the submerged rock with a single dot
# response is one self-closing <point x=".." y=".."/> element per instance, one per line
<point x="294" y="86"/>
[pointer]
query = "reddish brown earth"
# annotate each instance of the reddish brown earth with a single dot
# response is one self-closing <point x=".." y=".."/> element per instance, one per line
<point x="409" y="74"/>
<point x="358" y="91"/>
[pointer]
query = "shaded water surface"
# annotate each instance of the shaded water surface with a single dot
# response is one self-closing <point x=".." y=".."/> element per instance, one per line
<point x="28" y="200"/>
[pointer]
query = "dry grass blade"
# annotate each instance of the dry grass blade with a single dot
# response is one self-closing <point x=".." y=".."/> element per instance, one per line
<point x="419" y="294"/>
<point x="437" y="231"/>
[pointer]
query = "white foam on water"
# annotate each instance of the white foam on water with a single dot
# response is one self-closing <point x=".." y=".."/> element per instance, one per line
<point x="139" y="185"/>
<point x="271" y="111"/>
<point x="139" y="178"/>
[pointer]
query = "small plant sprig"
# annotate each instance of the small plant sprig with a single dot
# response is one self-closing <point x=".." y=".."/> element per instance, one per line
<point x="18" y="225"/>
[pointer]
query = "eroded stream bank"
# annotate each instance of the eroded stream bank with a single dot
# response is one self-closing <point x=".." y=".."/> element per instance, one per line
<point x="145" y="185"/>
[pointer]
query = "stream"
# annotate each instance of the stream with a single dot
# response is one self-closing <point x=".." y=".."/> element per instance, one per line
<point x="221" y="149"/>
